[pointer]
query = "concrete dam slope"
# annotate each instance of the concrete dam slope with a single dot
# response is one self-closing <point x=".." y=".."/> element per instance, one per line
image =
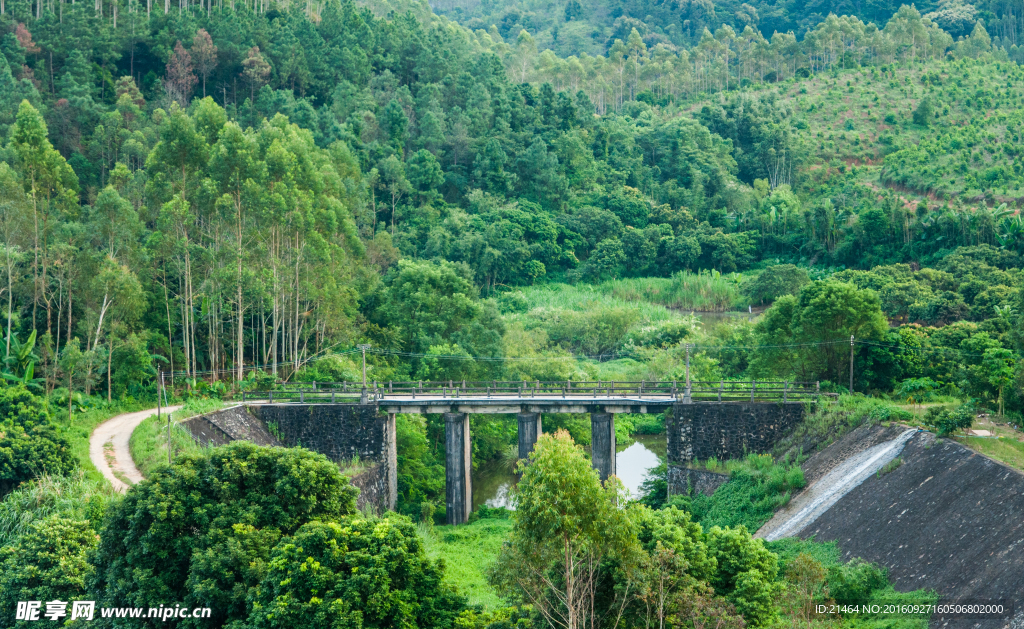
<point x="947" y="519"/>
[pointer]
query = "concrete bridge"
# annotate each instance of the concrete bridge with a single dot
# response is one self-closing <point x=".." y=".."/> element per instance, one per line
<point x="344" y="420"/>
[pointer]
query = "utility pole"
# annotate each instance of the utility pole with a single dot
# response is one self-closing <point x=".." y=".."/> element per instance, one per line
<point x="687" y="366"/>
<point x="363" y="398"/>
<point x="160" y="390"/>
<point x="851" y="364"/>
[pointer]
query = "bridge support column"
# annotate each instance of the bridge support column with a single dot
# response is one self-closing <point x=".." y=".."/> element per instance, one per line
<point x="602" y="443"/>
<point x="392" y="462"/>
<point x="458" y="487"/>
<point x="529" y="432"/>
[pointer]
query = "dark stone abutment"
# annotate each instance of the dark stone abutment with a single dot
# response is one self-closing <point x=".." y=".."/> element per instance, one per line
<point x="724" y="430"/>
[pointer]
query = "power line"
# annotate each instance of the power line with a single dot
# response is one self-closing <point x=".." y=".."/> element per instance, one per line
<point x="597" y="357"/>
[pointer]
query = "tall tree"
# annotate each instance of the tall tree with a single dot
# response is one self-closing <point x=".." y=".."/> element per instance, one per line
<point x="180" y="80"/>
<point x="204" y="55"/>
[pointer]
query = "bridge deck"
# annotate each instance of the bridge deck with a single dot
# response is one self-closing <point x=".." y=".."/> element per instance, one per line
<point x="535" y="397"/>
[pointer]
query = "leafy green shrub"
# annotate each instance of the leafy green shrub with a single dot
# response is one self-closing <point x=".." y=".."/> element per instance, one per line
<point x="746" y="573"/>
<point x="48" y="563"/>
<point x="201" y="531"/>
<point x="774" y="282"/>
<point x="356" y="572"/>
<point x="854" y="582"/>
<point x="946" y="421"/>
<point x="29" y="442"/>
<point x="757" y="486"/>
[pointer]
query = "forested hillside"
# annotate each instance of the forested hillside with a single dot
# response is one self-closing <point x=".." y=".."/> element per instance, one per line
<point x="574" y="27"/>
<point x="237" y="195"/>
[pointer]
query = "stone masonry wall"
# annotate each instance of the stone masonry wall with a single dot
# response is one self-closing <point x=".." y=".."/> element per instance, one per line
<point x="343" y="432"/>
<point x="684" y="481"/>
<point x="727" y="430"/>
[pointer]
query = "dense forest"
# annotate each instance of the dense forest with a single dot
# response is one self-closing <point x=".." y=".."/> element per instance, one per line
<point x="231" y="196"/>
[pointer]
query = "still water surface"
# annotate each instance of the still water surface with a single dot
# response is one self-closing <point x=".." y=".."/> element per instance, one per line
<point x="492" y="483"/>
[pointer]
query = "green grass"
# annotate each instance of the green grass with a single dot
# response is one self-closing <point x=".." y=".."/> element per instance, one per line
<point x="1004" y="450"/>
<point x="707" y="291"/>
<point x="756" y="488"/>
<point x="826" y="422"/>
<point x="467" y="551"/>
<point x="586" y="298"/>
<point x="148" y="443"/>
<point x="76" y="496"/>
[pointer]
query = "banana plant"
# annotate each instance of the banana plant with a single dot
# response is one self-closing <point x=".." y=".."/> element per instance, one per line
<point x="20" y="363"/>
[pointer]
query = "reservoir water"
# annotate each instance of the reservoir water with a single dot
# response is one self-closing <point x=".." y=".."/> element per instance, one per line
<point x="492" y="483"/>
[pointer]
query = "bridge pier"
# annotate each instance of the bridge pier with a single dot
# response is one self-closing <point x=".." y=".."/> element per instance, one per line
<point x="458" y="460"/>
<point x="529" y="432"/>
<point x="602" y="443"/>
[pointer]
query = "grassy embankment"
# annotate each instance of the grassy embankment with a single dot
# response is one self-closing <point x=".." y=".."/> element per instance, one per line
<point x="148" y="443"/>
<point x="468" y="551"/>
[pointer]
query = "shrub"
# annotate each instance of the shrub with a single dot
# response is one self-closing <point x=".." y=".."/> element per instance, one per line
<point x="357" y="572"/>
<point x="757" y="487"/>
<point x="746" y="573"/>
<point x="47" y="564"/>
<point x="946" y="421"/>
<point x="29" y="442"/>
<point x="853" y="583"/>
<point x="201" y="531"/>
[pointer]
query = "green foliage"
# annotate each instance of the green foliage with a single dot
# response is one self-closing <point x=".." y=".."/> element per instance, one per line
<point x="774" y="282"/>
<point x="30" y="444"/>
<point x="923" y="112"/>
<point x="47" y="563"/>
<point x="201" y="531"/>
<point x="586" y="528"/>
<point x="947" y="421"/>
<point x="745" y="574"/>
<point x="354" y="572"/>
<point x="816" y="321"/>
<point x="757" y="487"/>
<point x="72" y="497"/>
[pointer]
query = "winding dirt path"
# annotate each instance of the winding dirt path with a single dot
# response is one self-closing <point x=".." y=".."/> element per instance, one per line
<point x="108" y="447"/>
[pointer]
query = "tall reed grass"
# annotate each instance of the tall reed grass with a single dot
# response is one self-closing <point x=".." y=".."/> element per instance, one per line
<point x="75" y="496"/>
<point x="705" y="291"/>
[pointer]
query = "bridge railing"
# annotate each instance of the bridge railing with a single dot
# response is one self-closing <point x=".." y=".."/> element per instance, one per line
<point x="697" y="391"/>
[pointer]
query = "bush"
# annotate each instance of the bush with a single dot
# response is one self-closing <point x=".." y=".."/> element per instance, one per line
<point x="746" y="573"/>
<point x="774" y="282"/>
<point x="757" y="487"/>
<point x="852" y="583"/>
<point x="946" y="421"/>
<point x="29" y="442"/>
<point x="358" y="572"/>
<point x="201" y="531"/>
<point x="47" y="564"/>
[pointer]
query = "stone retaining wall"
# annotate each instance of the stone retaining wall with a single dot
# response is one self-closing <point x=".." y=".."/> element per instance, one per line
<point x="684" y="481"/>
<point x="342" y="432"/>
<point x="727" y="430"/>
